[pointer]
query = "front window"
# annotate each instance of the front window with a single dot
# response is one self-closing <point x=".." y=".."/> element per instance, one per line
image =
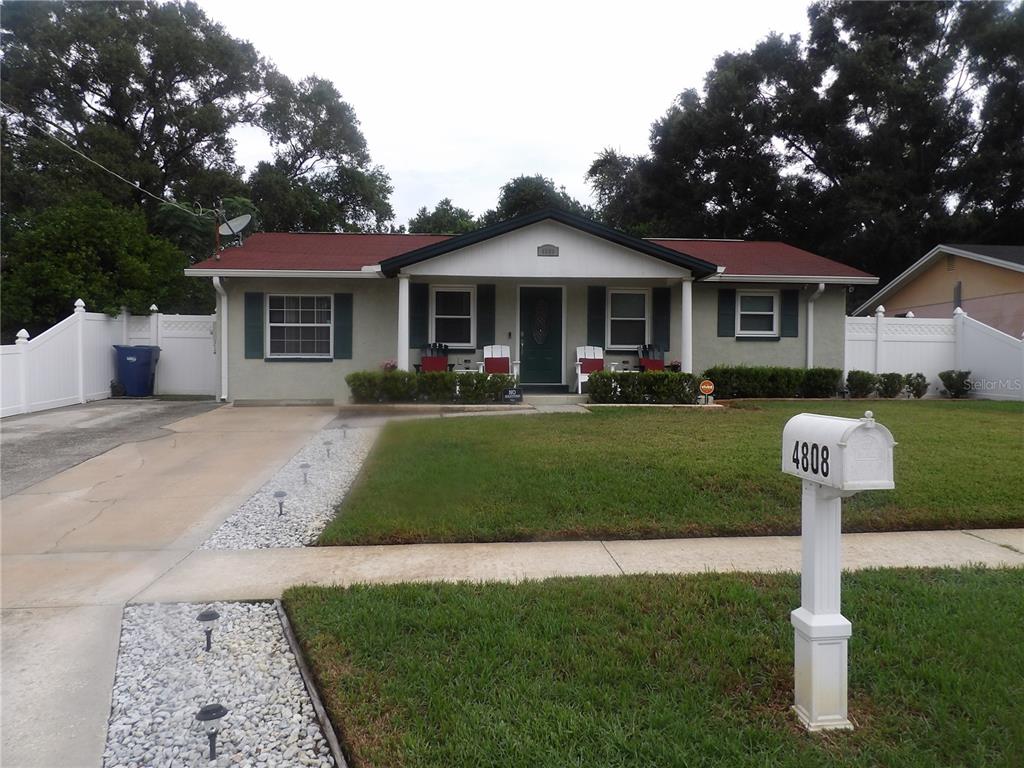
<point x="627" y="319"/>
<point x="451" y="310"/>
<point x="757" y="313"/>
<point x="300" y="326"/>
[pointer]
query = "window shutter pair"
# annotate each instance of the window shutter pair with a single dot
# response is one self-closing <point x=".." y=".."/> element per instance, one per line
<point x="419" y="315"/>
<point x="255" y="319"/>
<point x="789" y="312"/>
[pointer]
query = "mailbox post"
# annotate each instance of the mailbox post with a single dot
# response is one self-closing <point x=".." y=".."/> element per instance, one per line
<point x="834" y="457"/>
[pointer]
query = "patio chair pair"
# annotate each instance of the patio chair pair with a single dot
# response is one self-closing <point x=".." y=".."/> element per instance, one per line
<point x="590" y="360"/>
<point x="497" y="360"/>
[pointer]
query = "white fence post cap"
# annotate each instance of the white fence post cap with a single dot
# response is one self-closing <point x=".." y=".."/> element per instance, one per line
<point x="79" y="305"/>
<point x="154" y="308"/>
<point x="959" y="311"/>
<point x="21" y="337"/>
<point x="910" y="314"/>
<point x="879" y="310"/>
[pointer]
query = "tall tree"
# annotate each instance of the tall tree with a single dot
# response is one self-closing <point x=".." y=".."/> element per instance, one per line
<point x="526" y="194"/>
<point x="895" y="126"/>
<point x="446" y="219"/>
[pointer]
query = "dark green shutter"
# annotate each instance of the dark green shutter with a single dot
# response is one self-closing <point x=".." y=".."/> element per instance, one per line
<point x="790" y="316"/>
<point x="419" y="315"/>
<point x="726" y="311"/>
<point x="595" y="315"/>
<point x="484" y="315"/>
<point x="254" y="325"/>
<point x="661" y="316"/>
<point x="343" y="326"/>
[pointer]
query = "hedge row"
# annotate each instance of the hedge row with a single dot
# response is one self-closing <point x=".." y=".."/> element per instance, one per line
<point x="773" y="381"/>
<point x="438" y="387"/>
<point x="864" y="384"/>
<point x="663" y="387"/>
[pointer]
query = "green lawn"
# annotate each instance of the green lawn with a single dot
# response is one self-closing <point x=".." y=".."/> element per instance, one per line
<point x="664" y="671"/>
<point x="628" y="473"/>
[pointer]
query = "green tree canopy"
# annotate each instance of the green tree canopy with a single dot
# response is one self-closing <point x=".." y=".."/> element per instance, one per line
<point x="91" y="249"/>
<point x="446" y="219"/>
<point x="894" y="127"/>
<point x="526" y="194"/>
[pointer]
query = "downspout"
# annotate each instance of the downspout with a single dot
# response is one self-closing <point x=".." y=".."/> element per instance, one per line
<point x="810" y="323"/>
<point x="222" y="317"/>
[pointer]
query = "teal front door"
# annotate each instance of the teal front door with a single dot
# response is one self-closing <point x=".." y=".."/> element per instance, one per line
<point x="540" y="335"/>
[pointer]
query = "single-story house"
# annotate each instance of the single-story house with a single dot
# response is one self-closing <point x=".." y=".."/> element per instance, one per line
<point x="297" y="312"/>
<point x="986" y="281"/>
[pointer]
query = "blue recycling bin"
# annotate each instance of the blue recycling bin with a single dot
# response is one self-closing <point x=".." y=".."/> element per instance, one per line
<point x="136" y="368"/>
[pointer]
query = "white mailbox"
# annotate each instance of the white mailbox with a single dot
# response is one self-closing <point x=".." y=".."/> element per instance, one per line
<point x="834" y="457"/>
<point x="846" y="454"/>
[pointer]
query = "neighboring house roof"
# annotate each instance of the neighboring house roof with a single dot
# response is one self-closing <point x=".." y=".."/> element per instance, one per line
<point x="760" y="258"/>
<point x="1006" y="256"/>
<point x="326" y="254"/>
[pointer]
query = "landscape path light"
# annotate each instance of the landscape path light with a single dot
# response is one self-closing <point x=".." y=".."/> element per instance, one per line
<point x="327" y="445"/>
<point x="208" y="620"/>
<point x="210" y="717"/>
<point x="835" y="458"/>
<point x="305" y="472"/>
<point x="280" y="495"/>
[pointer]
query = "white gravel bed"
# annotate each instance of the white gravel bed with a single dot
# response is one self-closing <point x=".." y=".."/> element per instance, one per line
<point x="309" y="506"/>
<point x="164" y="676"/>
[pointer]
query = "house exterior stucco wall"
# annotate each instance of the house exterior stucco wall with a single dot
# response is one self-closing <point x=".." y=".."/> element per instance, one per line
<point x="375" y="318"/>
<point x="709" y="349"/>
<point x="375" y="332"/>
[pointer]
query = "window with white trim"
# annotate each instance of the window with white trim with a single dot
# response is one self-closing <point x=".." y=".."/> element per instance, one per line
<point x="628" y="318"/>
<point x="299" y="326"/>
<point x="757" y="313"/>
<point x="452" y="315"/>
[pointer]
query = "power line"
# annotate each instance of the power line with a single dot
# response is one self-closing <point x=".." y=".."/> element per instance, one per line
<point x="84" y="156"/>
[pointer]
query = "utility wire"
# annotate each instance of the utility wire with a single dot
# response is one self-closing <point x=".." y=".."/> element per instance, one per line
<point x="84" y="156"/>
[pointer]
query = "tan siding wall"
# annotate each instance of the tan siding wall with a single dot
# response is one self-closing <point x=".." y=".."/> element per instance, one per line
<point x="992" y="295"/>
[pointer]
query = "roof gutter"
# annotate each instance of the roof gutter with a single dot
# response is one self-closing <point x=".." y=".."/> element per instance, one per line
<point x="335" y="273"/>
<point x="222" y="320"/>
<point x="827" y="279"/>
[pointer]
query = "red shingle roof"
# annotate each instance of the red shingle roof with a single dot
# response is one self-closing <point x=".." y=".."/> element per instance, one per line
<point x="753" y="257"/>
<point x="333" y="251"/>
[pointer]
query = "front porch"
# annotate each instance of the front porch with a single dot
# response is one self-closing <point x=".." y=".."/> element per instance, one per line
<point x="544" y="322"/>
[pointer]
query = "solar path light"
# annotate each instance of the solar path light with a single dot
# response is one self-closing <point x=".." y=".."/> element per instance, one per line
<point x="305" y="472"/>
<point x="835" y="458"/>
<point x="208" y="620"/>
<point x="279" y="495"/>
<point x="210" y="717"/>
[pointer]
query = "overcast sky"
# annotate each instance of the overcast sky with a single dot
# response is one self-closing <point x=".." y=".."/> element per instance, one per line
<point x="456" y="98"/>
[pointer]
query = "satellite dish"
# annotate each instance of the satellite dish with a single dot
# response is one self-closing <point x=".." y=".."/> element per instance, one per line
<point x="236" y="225"/>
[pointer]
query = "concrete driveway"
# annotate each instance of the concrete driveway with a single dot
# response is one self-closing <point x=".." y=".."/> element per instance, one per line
<point x="86" y="539"/>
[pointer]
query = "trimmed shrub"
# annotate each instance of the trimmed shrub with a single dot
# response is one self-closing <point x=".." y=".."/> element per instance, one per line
<point x="890" y="384"/>
<point x="916" y="384"/>
<point x="434" y="387"/>
<point x="821" y="382"/>
<point x="861" y="383"/>
<point x="659" y="387"/>
<point x="957" y="383"/>
<point x="755" y="381"/>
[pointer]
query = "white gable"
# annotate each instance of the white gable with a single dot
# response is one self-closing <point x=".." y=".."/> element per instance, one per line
<point x="515" y="254"/>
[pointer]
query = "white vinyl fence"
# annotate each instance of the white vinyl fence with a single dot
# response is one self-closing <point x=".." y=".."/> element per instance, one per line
<point x="74" y="361"/>
<point x="883" y="344"/>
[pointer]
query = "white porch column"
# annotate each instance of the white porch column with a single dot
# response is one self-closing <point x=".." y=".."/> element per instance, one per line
<point x="686" y="327"/>
<point x="402" y="356"/>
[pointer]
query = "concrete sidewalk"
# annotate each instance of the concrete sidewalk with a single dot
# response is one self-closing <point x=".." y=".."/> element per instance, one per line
<point x="265" y="573"/>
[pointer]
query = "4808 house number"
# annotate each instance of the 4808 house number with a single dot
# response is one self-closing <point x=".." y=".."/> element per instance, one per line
<point x="811" y="457"/>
